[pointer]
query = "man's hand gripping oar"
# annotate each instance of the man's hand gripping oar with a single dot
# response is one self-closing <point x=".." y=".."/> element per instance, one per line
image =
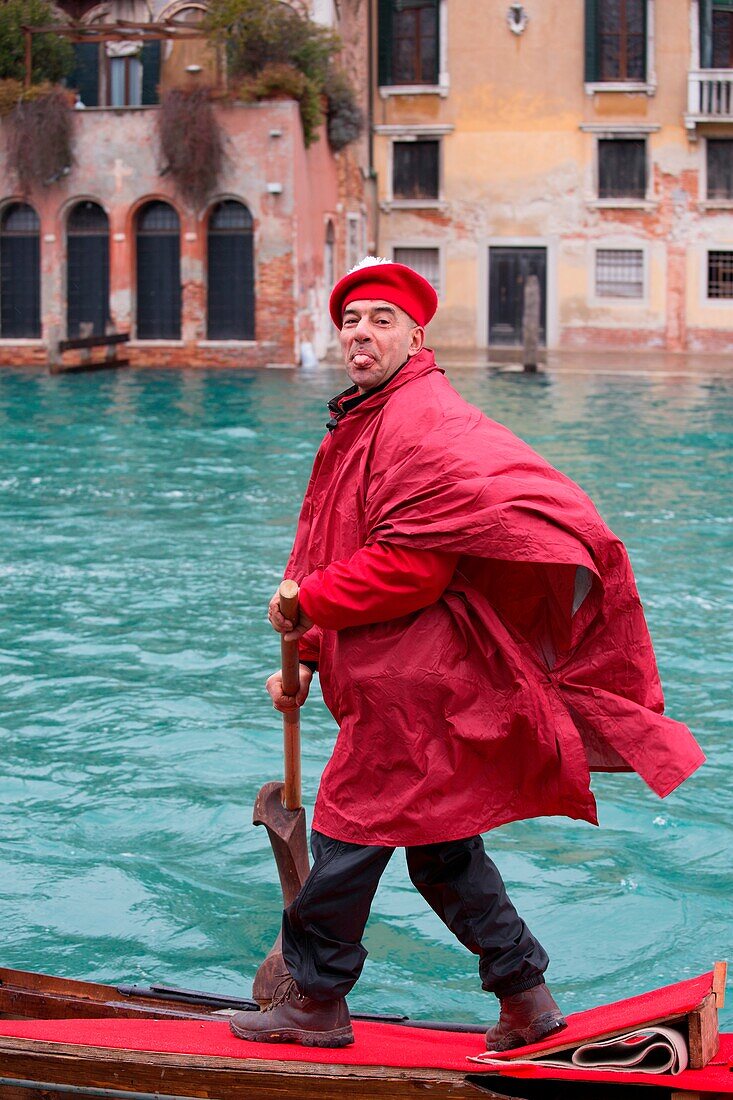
<point x="278" y="805"/>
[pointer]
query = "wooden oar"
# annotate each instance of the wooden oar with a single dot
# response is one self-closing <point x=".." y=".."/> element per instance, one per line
<point x="290" y="661"/>
<point x="278" y="805"/>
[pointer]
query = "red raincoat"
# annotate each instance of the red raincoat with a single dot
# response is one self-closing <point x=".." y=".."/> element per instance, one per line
<point x="491" y="704"/>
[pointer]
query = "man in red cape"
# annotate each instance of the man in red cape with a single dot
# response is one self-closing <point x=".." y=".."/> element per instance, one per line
<point x="481" y="644"/>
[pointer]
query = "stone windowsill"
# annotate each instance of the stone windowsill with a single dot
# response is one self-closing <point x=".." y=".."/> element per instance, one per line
<point x="718" y="303"/>
<point x="121" y="107"/>
<point x="22" y="342"/>
<point x="387" y="90"/>
<point x="158" y="344"/>
<point x="223" y="344"/>
<point x="599" y="301"/>
<point x="716" y="204"/>
<point x="635" y="86"/>
<point x="412" y="204"/>
<point x="622" y="204"/>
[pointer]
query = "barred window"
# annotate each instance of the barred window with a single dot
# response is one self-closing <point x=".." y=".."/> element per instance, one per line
<point x="426" y="261"/>
<point x="620" y="273"/>
<point x="720" y="274"/>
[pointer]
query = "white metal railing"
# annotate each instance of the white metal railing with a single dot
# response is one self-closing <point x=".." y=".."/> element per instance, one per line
<point x="710" y="94"/>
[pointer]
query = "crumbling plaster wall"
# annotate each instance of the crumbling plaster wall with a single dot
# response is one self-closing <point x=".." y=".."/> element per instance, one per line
<point x="518" y="166"/>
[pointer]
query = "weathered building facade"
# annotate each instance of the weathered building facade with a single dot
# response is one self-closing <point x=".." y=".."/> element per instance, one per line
<point x="589" y="142"/>
<point x="242" y="279"/>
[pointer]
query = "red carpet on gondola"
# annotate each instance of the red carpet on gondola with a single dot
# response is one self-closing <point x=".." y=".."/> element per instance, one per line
<point x="396" y="1046"/>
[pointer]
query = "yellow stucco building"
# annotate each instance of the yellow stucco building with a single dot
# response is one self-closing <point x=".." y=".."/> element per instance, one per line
<point x="589" y="142"/>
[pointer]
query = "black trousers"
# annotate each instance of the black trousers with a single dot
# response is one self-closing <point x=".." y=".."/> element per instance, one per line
<point x="323" y="928"/>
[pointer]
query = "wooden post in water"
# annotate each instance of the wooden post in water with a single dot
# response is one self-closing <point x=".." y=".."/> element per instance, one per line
<point x="110" y="354"/>
<point x="54" y="355"/>
<point x="86" y="329"/>
<point x="531" y="323"/>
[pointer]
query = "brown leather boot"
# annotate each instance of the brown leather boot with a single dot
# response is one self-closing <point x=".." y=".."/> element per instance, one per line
<point x="525" y="1018"/>
<point x="294" y="1018"/>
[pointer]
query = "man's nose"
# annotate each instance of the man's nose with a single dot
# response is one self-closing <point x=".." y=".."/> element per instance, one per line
<point x="362" y="331"/>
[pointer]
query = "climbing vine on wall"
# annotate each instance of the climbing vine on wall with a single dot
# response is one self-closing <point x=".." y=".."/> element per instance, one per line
<point x="39" y="137"/>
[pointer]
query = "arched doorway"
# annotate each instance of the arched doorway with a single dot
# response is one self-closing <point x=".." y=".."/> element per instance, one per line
<point x="231" y="295"/>
<point x="87" y="268"/>
<point x="20" y="272"/>
<point x="158" y="273"/>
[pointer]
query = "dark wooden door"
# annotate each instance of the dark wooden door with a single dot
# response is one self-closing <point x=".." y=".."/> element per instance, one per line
<point x="87" y="269"/>
<point x="508" y="270"/>
<point x="20" y="272"/>
<point x="231" y="299"/>
<point x="158" y="273"/>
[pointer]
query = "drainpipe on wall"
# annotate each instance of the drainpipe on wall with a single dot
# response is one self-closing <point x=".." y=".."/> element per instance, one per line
<point x="372" y="177"/>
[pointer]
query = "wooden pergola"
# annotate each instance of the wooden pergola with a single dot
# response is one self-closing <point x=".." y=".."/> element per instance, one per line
<point x="121" y="30"/>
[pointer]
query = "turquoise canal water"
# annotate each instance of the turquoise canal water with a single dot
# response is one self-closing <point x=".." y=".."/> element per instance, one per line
<point x="146" y="518"/>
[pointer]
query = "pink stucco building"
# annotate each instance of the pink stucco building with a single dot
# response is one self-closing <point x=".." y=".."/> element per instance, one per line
<point x="241" y="281"/>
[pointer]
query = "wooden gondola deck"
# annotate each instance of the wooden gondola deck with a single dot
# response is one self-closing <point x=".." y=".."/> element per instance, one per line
<point x="61" y="1037"/>
<point x="55" y="1065"/>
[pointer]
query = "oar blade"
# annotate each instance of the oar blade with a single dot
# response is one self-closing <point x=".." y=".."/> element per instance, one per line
<point x="287" y="832"/>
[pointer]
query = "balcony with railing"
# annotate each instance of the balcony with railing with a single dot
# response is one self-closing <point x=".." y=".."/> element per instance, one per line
<point x="709" y="97"/>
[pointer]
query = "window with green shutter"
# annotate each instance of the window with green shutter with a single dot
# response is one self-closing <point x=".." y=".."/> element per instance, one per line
<point x="722" y="37"/>
<point x="615" y="41"/>
<point x="716" y="34"/>
<point x="150" y="57"/>
<point x="85" y="75"/>
<point x="408" y="42"/>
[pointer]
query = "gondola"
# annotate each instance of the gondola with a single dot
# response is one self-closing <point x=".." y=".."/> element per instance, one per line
<point x="62" y="1038"/>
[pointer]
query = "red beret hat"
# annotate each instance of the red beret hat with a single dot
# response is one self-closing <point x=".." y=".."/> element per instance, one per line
<point x="393" y="283"/>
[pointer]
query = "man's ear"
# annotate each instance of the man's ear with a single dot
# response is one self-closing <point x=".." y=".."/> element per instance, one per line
<point x="417" y="340"/>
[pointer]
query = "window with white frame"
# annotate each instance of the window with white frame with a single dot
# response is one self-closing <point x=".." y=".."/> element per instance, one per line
<point x="125" y="81"/>
<point x="719" y="168"/>
<point x="622" y="170"/>
<point x="716" y="34"/>
<point x="416" y="169"/>
<point x="408" y="32"/>
<point x="426" y="261"/>
<point x="720" y="273"/>
<point x="619" y="273"/>
<point x="615" y="40"/>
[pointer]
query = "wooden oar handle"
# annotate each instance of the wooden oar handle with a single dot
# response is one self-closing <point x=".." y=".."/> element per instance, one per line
<point x="288" y="593"/>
